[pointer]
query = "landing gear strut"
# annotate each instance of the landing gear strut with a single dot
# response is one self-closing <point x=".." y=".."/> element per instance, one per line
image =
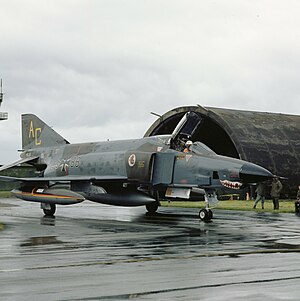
<point x="49" y="209"/>
<point x="205" y="214"/>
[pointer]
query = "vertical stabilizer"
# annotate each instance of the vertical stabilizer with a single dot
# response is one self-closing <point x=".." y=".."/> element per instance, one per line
<point x="36" y="133"/>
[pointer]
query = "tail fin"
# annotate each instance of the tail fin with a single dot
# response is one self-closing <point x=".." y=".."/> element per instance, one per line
<point x="36" y="133"/>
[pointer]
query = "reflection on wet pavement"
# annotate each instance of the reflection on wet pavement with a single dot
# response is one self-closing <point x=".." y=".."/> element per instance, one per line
<point x="48" y="220"/>
<point x="40" y="241"/>
<point x="102" y="252"/>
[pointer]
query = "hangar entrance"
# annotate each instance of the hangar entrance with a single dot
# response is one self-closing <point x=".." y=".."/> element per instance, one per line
<point x="207" y="132"/>
<point x="270" y="140"/>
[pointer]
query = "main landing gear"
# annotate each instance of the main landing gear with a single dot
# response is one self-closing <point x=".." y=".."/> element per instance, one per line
<point x="49" y="209"/>
<point x="152" y="207"/>
<point x="205" y="214"/>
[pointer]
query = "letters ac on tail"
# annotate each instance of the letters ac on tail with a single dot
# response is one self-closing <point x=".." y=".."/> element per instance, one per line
<point x="136" y="172"/>
<point x="34" y="133"/>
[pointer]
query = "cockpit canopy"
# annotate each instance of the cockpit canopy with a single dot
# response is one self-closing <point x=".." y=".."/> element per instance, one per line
<point x="184" y="132"/>
<point x="198" y="147"/>
<point x="201" y="149"/>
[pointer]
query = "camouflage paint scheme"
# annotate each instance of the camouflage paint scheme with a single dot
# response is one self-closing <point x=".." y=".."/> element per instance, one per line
<point x="127" y="172"/>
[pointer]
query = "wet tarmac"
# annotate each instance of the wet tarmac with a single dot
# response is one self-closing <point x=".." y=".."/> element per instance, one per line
<point x="97" y="252"/>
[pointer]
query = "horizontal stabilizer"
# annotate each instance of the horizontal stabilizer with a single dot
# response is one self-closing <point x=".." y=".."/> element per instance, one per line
<point x="17" y="163"/>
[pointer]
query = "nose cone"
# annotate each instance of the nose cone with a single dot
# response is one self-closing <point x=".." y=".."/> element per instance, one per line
<point x="252" y="173"/>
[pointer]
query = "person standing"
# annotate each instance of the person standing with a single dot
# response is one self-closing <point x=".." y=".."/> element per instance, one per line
<point x="297" y="203"/>
<point x="276" y="188"/>
<point x="260" y="195"/>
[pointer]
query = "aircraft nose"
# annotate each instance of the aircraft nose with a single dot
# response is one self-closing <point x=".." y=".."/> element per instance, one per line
<point x="252" y="173"/>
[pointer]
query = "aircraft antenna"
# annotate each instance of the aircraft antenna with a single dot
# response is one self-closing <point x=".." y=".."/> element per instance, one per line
<point x="3" y="115"/>
<point x="1" y="93"/>
<point x="155" y="114"/>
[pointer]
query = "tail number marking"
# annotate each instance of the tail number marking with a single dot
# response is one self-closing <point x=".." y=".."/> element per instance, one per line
<point x="34" y="133"/>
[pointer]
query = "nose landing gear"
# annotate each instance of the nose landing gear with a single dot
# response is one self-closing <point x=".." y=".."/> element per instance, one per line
<point x="205" y="214"/>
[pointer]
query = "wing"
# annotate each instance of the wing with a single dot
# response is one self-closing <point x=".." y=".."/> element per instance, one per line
<point x="24" y="160"/>
<point x="64" y="179"/>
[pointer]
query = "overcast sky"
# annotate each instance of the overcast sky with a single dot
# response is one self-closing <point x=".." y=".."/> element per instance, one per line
<point x="95" y="69"/>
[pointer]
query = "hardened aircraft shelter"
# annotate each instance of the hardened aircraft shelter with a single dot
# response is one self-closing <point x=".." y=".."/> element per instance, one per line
<point x="269" y="139"/>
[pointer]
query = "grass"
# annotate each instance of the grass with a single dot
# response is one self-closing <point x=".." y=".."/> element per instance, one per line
<point x="285" y="206"/>
<point x="5" y="194"/>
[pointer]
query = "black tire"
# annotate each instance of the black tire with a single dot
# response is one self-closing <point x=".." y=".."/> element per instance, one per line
<point x="210" y="214"/>
<point x="297" y="207"/>
<point x="51" y="211"/>
<point x="205" y="215"/>
<point x="152" y="207"/>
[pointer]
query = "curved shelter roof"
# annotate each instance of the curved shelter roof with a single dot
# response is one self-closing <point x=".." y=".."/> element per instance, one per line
<point x="268" y="139"/>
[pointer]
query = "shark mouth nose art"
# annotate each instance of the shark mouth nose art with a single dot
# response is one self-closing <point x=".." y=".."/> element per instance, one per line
<point x="231" y="185"/>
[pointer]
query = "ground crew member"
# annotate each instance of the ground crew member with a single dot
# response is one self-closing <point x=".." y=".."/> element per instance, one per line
<point x="261" y="193"/>
<point x="275" y="192"/>
<point x="297" y="203"/>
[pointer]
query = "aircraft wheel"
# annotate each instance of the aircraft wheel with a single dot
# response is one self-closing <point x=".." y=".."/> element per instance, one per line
<point x="152" y="207"/>
<point x="205" y="215"/>
<point x="50" y="211"/>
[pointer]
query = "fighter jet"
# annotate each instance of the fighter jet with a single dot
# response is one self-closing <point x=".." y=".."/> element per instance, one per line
<point x="137" y="172"/>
